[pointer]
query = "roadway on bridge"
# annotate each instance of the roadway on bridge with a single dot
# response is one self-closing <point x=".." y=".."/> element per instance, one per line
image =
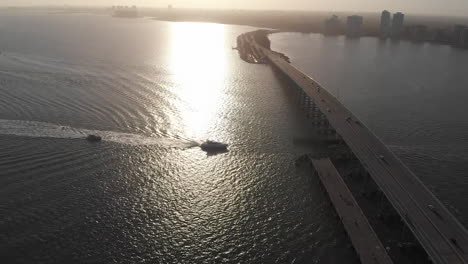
<point x="362" y="235"/>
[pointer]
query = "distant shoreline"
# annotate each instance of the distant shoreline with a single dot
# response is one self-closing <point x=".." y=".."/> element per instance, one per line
<point x="439" y="29"/>
<point x="272" y="30"/>
<point x="284" y="21"/>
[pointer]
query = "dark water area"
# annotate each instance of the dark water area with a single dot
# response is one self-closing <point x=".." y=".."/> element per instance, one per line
<point x="412" y="95"/>
<point x="146" y="194"/>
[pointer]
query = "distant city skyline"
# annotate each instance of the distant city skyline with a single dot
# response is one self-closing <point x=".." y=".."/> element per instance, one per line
<point x="436" y="7"/>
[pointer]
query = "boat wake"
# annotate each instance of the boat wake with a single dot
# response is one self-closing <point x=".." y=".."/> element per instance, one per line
<point x="49" y="130"/>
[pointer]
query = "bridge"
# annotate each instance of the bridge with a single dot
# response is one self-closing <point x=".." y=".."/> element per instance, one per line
<point x="442" y="236"/>
<point x="361" y="233"/>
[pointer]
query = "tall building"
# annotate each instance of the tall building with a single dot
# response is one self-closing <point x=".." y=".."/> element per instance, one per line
<point x="457" y="34"/>
<point x="332" y="25"/>
<point x="397" y="24"/>
<point x="418" y="33"/>
<point x="385" y="24"/>
<point x="464" y="38"/>
<point x="441" y="35"/>
<point x="354" y="25"/>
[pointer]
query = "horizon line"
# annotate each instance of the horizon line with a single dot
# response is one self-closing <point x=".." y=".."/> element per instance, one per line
<point x="237" y="9"/>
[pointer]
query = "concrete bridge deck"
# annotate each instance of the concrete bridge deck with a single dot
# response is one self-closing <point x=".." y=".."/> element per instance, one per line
<point x="442" y="236"/>
<point x="365" y="241"/>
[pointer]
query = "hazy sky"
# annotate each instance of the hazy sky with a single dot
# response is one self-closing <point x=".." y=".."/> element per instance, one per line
<point x="454" y="7"/>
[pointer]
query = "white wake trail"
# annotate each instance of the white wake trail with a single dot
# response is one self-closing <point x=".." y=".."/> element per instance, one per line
<point x="49" y="130"/>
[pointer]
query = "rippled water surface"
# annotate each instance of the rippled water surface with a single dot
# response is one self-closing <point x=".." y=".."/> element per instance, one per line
<point x="147" y="194"/>
<point x="412" y="95"/>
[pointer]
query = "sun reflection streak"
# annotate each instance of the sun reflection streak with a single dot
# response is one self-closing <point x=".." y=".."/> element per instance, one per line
<point x="198" y="66"/>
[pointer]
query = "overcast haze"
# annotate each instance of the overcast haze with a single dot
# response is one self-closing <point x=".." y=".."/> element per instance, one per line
<point x="451" y="7"/>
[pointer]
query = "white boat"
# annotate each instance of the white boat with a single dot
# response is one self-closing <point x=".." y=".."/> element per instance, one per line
<point x="213" y="146"/>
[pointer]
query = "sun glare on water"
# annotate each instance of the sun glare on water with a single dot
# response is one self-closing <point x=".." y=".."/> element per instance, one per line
<point x="198" y="66"/>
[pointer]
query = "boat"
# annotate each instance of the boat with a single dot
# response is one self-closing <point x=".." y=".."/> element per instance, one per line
<point x="213" y="146"/>
<point x="93" y="138"/>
